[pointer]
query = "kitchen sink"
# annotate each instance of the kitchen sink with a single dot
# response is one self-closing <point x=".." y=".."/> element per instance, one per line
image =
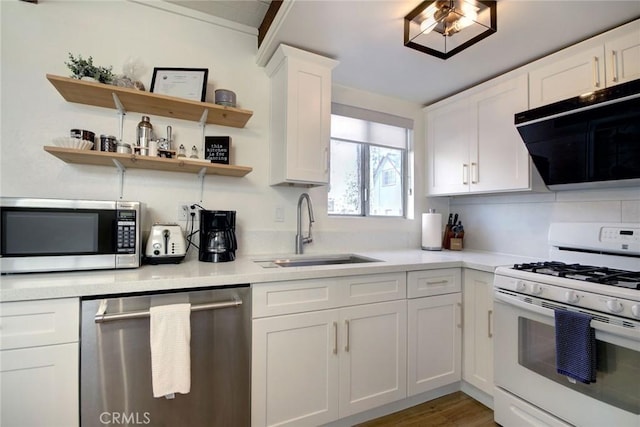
<point x="319" y="260"/>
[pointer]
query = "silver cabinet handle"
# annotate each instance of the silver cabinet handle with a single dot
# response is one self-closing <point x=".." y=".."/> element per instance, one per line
<point x="346" y="346"/>
<point x="101" y="316"/>
<point x="596" y="71"/>
<point x="461" y="317"/>
<point x="438" y="282"/>
<point x="326" y="160"/>
<point x="614" y="63"/>
<point x="335" y="337"/>
<point x="489" y="324"/>
<point x="474" y="173"/>
<point x="465" y="173"/>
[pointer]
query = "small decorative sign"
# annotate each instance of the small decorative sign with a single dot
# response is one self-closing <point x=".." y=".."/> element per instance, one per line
<point x="217" y="149"/>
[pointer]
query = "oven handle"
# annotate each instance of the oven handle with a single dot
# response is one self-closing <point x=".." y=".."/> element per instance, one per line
<point x="614" y="330"/>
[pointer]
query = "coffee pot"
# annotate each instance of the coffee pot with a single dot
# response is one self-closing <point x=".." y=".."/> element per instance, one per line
<point x="217" y="236"/>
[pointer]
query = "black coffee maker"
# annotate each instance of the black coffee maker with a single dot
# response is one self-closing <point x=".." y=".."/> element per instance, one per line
<point x="217" y="236"/>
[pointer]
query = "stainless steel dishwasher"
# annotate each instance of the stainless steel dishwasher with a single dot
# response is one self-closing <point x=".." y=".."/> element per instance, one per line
<point x="115" y="361"/>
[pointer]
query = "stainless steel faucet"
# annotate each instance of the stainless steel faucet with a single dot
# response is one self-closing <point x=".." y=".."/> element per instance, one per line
<point x="300" y="239"/>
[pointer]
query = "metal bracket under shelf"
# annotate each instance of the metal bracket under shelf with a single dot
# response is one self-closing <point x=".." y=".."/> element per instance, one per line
<point x="121" y="171"/>
<point x="203" y="125"/>
<point x="121" y="113"/>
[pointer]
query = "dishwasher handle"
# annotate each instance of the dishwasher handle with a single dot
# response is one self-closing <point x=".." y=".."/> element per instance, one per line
<point x="102" y="316"/>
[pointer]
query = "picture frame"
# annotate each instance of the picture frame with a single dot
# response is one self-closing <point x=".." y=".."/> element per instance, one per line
<point x="188" y="83"/>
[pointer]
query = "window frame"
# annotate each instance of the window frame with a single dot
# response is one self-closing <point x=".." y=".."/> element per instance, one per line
<point x="366" y="176"/>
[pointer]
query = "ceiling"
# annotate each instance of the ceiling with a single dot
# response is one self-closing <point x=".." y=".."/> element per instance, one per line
<point x="366" y="36"/>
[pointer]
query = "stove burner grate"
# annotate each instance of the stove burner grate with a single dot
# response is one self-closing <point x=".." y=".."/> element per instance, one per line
<point x="589" y="273"/>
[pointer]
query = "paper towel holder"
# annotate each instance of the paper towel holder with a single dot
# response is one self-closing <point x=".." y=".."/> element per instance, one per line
<point x="432" y="231"/>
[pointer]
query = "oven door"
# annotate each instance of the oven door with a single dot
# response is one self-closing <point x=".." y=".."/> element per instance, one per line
<point x="525" y="365"/>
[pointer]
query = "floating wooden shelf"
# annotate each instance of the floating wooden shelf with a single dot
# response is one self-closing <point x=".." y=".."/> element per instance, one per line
<point x="99" y="158"/>
<point x="102" y="95"/>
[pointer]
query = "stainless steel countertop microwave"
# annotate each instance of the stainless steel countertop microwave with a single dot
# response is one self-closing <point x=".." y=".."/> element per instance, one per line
<point x="40" y="235"/>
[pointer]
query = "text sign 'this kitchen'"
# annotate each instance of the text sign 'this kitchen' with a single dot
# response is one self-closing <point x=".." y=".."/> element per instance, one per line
<point x="217" y="149"/>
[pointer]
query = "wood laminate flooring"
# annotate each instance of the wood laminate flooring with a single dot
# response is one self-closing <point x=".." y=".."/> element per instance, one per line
<point x="456" y="409"/>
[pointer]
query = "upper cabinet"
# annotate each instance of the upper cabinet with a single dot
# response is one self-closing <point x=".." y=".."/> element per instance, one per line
<point x="300" y="117"/>
<point x="603" y="61"/>
<point x="472" y="144"/>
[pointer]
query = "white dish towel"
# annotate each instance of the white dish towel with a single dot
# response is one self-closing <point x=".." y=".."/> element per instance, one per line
<point x="170" y="339"/>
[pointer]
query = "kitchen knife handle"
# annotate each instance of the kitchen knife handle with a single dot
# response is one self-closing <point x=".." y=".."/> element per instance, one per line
<point x="596" y="71"/>
<point x="614" y="64"/>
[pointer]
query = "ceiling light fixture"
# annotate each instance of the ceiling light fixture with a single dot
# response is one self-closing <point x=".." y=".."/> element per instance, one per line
<point x="443" y="28"/>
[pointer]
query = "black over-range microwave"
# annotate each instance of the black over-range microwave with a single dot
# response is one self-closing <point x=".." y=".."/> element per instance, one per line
<point x="41" y="235"/>
<point x="588" y="141"/>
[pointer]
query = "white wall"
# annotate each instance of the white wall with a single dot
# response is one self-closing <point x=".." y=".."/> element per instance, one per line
<point x="36" y="39"/>
<point x="519" y="224"/>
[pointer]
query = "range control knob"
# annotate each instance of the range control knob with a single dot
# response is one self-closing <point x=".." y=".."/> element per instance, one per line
<point x="571" y="297"/>
<point x="635" y="310"/>
<point x="536" y="289"/>
<point x="521" y="286"/>
<point x="614" y="306"/>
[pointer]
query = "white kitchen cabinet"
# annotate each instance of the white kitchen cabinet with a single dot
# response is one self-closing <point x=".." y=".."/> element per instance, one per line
<point x="477" y="342"/>
<point x="300" y="128"/>
<point x="39" y="359"/>
<point x="604" y="61"/>
<point x="622" y="57"/>
<point x="472" y="143"/>
<point x="373" y="356"/>
<point x="295" y="364"/>
<point x="316" y="366"/>
<point x="434" y="331"/>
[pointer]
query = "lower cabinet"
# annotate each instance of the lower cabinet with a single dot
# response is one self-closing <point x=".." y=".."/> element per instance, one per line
<point x="39" y="359"/>
<point x="39" y="386"/>
<point x="313" y="368"/>
<point x="435" y="334"/>
<point x="477" y="366"/>
<point x="434" y="329"/>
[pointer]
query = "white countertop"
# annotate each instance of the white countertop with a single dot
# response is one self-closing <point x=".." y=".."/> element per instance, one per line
<point x="196" y="274"/>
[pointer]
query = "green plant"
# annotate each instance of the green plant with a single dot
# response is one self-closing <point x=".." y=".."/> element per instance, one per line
<point x="81" y="67"/>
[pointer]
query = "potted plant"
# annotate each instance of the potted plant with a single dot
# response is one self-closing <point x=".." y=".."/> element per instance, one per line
<point x="84" y="69"/>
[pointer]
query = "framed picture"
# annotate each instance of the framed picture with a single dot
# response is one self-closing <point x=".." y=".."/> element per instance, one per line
<point x="217" y="149"/>
<point x="189" y="83"/>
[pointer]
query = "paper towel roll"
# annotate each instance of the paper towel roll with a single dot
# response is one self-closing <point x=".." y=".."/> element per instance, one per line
<point x="432" y="231"/>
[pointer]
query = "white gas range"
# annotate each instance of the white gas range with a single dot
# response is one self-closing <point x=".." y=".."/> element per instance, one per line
<point x="594" y="274"/>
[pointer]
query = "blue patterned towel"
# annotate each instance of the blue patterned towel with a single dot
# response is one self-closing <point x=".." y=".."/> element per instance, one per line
<point x="575" y="346"/>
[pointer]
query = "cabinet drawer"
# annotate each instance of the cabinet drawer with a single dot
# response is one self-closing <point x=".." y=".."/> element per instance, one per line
<point x="373" y="288"/>
<point x="37" y="323"/>
<point x="298" y="296"/>
<point x="433" y="282"/>
<point x="295" y="296"/>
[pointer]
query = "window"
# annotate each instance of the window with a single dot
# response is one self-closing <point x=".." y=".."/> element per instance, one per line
<point x="368" y="174"/>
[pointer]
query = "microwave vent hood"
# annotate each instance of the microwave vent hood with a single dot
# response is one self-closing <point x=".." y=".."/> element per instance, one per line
<point x="589" y="141"/>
